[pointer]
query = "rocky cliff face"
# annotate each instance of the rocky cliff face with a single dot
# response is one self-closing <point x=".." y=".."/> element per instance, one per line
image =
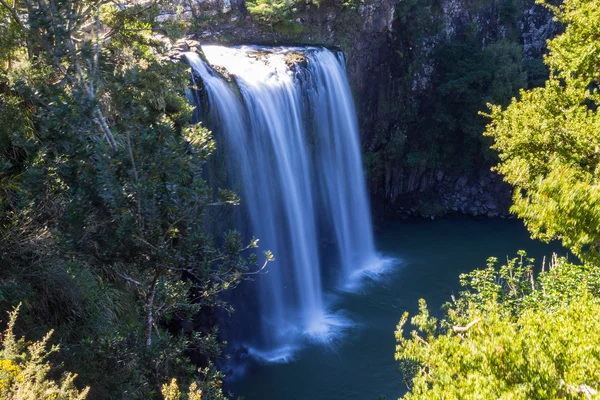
<point x="392" y="51"/>
<point x="409" y="174"/>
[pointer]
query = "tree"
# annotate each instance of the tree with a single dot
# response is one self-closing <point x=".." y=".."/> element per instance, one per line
<point x="103" y="196"/>
<point x="511" y="334"/>
<point x="548" y="140"/>
<point x="508" y="335"/>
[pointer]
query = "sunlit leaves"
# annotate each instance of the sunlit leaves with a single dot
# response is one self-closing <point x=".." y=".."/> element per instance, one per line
<point x="508" y="335"/>
<point x="549" y="142"/>
<point x="271" y="10"/>
<point x="200" y="138"/>
<point x="269" y="255"/>
<point x="540" y="355"/>
<point x="228" y="197"/>
<point x="279" y="12"/>
<point x="25" y="372"/>
<point x="575" y="53"/>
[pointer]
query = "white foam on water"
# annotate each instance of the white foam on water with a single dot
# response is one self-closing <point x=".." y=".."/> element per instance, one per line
<point x="327" y="328"/>
<point x="372" y="271"/>
<point x="280" y="355"/>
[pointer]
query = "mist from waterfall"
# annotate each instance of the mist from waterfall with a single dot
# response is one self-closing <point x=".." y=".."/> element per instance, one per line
<point x="292" y="141"/>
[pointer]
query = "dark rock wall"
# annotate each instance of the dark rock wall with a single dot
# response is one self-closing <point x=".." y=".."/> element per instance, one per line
<point x="402" y="85"/>
<point x="390" y="49"/>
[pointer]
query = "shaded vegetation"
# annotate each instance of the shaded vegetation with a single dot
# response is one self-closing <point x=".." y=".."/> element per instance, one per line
<point x="103" y="200"/>
<point x="442" y="77"/>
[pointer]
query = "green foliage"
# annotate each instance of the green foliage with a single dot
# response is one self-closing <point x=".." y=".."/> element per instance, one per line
<point x="172" y="392"/>
<point x="279" y="13"/>
<point x="103" y="198"/>
<point x="441" y="80"/>
<point x="468" y="77"/>
<point x="576" y="52"/>
<point x="548" y="139"/>
<point x="508" y="335"/>
<point x="24" y="369"/>
<point x="515" y="288"/>
<point x="269" y="11"/>
<point x="208" y="389"/>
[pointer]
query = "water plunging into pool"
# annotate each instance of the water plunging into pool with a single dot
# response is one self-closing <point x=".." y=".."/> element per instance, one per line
<point x="292" y="141"/>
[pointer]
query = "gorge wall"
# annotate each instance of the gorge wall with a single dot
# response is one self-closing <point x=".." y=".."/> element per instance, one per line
<point x="420" y="71"/>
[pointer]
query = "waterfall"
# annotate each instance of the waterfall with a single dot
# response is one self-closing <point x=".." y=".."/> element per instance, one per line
<point x="340" y="173"/>
<point x="292" y="139"/>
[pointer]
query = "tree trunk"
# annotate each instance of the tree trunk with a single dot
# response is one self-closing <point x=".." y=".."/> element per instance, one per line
<point x="150" y="310"/>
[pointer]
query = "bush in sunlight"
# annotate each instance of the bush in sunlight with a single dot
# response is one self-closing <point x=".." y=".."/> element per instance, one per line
<point x="548" y="140"/>
<point x="24" y="370"/>
<point x="508" y="335"/>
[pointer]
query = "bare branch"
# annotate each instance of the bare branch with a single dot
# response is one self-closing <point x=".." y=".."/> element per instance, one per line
<point x="127" y="278"/>
<point x="420" y="339"/>
<point x="101" y="121"/>
<point x="13" y="13"/>
<point x="150" y="310"/>
<point x="219" y="203"/>
<point x="153" y="247"/>
<point x="459" y="329"/>
<point x="137" y="183"/>
<point x="259" y="270"/>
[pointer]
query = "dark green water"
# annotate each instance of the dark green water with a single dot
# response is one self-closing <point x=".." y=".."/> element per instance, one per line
<point x="360" y="364"/>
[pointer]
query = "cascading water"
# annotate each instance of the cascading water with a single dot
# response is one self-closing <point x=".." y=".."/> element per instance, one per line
<point x="288" y="189"/>
<point x="340" y="167"/>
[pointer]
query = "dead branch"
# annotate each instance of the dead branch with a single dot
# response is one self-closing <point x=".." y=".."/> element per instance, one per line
<point x="127" y="278"/>
<point x="460" y="329"/>
<point x="420" y="339"/>
<point x="258" y="271"/>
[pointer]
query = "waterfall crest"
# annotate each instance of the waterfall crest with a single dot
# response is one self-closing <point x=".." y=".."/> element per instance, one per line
<point x="292" y="139"/>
